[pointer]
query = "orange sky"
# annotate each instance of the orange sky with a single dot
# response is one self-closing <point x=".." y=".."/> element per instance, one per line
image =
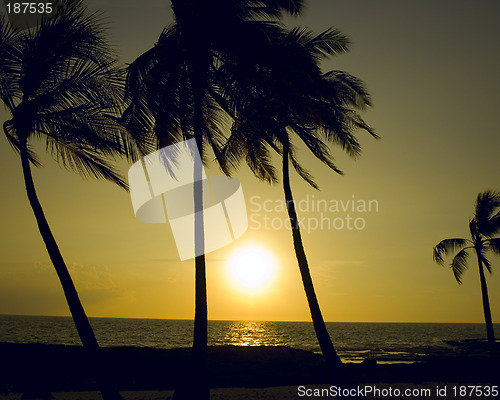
<point x="433" y="73"/>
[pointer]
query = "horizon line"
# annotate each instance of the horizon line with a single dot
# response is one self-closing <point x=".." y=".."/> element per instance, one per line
<point x="247" y="320"/>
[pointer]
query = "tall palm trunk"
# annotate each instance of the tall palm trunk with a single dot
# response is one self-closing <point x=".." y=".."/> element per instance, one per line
<point x="196" y="385"/>
<point x="331" y="357"/>
<point x="200" y="334"/>
<point x="486" y="307"/>
<point x="89" y="341"/>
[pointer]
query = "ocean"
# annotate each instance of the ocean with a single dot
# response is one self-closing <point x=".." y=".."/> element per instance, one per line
<point x="386" y="342"/>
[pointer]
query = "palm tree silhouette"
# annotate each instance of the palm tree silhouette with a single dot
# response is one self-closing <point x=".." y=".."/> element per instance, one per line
<point x="483" y="227"/>
<point x="60" y="84"/>
<point x="177" y="90"/>
<point x="293" y="97"/>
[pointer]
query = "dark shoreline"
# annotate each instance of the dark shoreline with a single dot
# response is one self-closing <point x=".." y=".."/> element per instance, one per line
<point x="67" y="368"/>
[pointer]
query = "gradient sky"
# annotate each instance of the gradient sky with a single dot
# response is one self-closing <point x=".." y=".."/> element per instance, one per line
<point x="432" y="69"/>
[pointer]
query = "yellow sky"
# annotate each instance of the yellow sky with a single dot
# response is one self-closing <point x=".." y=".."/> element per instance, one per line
<point x="432" y="72"/>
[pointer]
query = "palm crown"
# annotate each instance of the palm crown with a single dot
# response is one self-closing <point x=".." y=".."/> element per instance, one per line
<point x="290" y="95"/>
<point x="483" y="227"/>
<point x="63" y="86"/>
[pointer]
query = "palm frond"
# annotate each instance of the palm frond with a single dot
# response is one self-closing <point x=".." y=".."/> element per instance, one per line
<point x="361" y="124"/>
<point x="243" y="143"/>
<point x="447" y="246"/>
<point x="47" y="50"/>
<point x="10" y="53"/>
<point x="135" y="145"/>
<point x="85" y="161"/>
<point x="348" y="89"/>
<point x="494" y="225"/>
<point x="159" y="102"/>
<point x="215" y="126"/>
<point x="487" y="203"/>
<point x="459" y="264"/>
<point x="494" y="245"/>
<point x="87" y="126"/>
<point x="303" y="173"/>
<point x="252" y="9"/>
<point x="260" y="162"/>
<point x="336" y="126"/>
<point x="326" y="43"/>
<point x="317" y="147"/>
<point x="293" y="7"/>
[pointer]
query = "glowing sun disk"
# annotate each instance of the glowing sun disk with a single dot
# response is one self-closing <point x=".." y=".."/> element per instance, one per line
<point x="251" y="267"/>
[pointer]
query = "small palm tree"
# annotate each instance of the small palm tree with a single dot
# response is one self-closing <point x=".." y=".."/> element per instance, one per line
<point x="60" y="84"/>
<point x="483" y="227"/>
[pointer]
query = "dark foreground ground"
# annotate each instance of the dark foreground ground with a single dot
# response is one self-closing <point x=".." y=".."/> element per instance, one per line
<point x="67" y="368"/>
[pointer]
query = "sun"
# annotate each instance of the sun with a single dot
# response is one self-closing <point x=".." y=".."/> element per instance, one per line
<point x="251" y="267"/>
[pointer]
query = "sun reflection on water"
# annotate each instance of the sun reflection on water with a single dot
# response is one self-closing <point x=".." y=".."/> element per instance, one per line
<point x="253" y="333"/>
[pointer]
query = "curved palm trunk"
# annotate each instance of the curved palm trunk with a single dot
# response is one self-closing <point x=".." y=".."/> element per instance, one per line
<point x="486" y="307"/>
<point x="89" y="341"/>
<point x="331" y="357"/>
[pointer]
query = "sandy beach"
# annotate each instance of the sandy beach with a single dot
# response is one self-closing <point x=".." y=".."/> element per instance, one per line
<point x="38" y="371"/>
